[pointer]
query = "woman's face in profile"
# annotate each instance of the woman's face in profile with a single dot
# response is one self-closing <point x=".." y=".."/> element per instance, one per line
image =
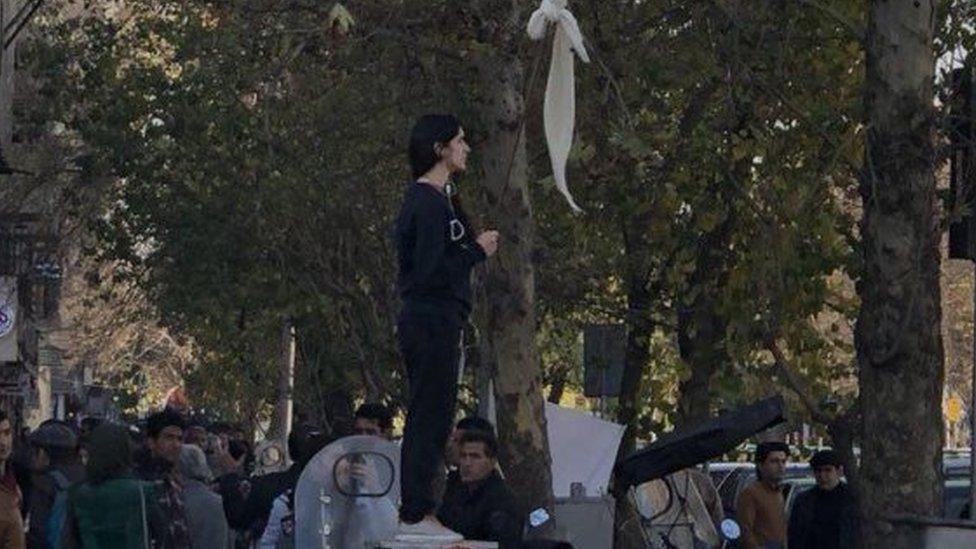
<point x="455" y="154"/>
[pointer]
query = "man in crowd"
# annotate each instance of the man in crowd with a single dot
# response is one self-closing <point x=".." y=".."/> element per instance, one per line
<point x="470" y="423"/>
<point x="88" y="425"/>
<point x="480" y="506"/>
<point x="103" y="508"/>
<point x="11" y="521"/>
<point x="159" y="463"/>
<point x="279" y="519"/>
<point x="824" y="517"/>
<point x="205" y="511"/>
<point x="56" y="466"/>
<point x="761" y="509"/>
<point x="196" y="434"/>
<point x="375" y="420"/>
<point x="248" y="508"/>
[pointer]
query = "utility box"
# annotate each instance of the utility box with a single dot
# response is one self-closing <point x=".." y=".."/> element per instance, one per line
<point x="587" y="520"/>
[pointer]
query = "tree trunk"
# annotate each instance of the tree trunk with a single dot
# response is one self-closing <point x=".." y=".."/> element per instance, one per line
<point x="898" y="336"/>
<point x="701" y="335"/>
<point x="639" y="328"/>
<point x="557" y="386"/>
<point x="508" y="308"/>
<point x="701" y="329"/>
<point x="285" y="388"/>
<point x="842" y="431"/>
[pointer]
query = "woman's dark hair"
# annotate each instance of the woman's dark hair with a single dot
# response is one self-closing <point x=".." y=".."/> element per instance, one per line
<point x="109" y="453"/>
<point x="428" y="131"/>
<point x="238" y="448"/>
<point x="161" y="420"/>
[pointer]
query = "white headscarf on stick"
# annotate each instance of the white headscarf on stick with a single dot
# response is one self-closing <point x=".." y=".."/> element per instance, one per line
<point x="559" y="111"/>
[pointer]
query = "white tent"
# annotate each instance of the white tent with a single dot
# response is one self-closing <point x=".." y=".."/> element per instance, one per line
<point x="583" y="449"/>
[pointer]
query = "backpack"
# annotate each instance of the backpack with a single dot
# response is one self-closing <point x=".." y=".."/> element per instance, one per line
<point x="58" y="517"/>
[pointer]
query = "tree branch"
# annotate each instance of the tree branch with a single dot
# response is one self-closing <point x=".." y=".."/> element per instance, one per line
<point x="838" y="18"/>
<point x="796" y="383"/>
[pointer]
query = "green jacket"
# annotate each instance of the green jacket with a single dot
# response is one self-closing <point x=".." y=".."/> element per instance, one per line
<point x="110" y="515"/>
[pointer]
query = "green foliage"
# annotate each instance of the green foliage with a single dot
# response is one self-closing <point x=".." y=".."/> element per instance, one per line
<point x="715" y="139"/>
<point x="251" y="161"/>
<point x="242" y="193"/>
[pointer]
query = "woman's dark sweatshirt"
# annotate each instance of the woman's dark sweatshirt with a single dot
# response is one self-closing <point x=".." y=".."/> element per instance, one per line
<point x="435" y="270"/>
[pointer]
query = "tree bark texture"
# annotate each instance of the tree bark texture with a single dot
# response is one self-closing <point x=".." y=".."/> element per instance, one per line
<point x="701" y="335"/>
<point x="639" y="327"/>
<point x="507" y="311"/>
<point x="898" y="336"/>
<point x="701" y="329"/>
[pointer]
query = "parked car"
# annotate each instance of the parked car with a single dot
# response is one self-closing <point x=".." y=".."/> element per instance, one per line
<point x="956" y="465"/>
<point x="955" y="496"/>
<point x="730" y="478"/>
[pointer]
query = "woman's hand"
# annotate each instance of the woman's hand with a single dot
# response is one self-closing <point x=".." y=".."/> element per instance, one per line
<point x="488" y="241"/>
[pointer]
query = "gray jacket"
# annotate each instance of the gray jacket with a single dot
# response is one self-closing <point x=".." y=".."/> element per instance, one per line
<point x="205" y="516"/>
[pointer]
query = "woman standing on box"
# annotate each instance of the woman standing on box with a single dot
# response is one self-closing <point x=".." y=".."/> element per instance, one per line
<point x="437" y="249"/>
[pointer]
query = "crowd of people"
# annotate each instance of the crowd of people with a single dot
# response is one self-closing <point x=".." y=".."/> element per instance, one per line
<point x="174" y="483"/>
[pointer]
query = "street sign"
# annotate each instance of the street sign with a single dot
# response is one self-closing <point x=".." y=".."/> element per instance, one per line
<point x="953" y="409"/>
<point x="604" y="355"/>
<point x="8" y="319"/>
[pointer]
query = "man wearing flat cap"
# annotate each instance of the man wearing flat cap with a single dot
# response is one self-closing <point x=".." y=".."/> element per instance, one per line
<point x="56" y="466"/>
<point x="825" y="516"/>
<point x="761" y="509"/>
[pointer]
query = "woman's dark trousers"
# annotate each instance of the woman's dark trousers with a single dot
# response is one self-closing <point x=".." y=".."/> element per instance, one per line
<point x="430" y="348"/>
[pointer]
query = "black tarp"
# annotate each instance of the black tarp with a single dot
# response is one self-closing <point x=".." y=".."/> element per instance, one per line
<point x="697" y="444"/>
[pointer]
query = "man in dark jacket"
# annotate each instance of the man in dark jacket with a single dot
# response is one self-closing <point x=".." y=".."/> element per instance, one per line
<point x="248" y="504"/>
<point x="477" y="504"/>
<point x="159" y="464"/>
<point x="825" y="516"/>
<point x="56" y="467"/>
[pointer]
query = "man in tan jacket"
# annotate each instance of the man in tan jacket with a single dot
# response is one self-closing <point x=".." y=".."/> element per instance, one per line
<point x="761" y="509"/>
<point x="11" y="523"/>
